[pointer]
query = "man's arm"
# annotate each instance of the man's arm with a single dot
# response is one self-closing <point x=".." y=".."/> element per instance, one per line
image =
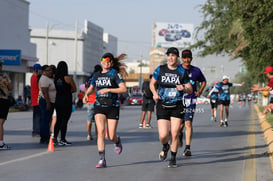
<point x="203" y="85"/>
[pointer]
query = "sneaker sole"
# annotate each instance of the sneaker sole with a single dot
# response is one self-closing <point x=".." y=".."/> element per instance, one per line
<point x="172" y="166"/>
<point x="162" y="158"/>
<point x="187" y="154"/>
<point x="101" y="166"/>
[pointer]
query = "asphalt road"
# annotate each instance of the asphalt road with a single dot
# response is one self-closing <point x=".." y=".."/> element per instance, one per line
<point x="235" y="153"/>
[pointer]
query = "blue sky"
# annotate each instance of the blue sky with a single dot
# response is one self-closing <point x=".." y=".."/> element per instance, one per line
<point x="130" y="21"/>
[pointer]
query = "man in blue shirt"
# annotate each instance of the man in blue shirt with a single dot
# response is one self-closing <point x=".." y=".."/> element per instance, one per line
<point x="195" y="75"/>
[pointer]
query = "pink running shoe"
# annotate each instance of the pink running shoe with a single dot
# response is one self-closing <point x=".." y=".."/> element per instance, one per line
<point x="118" y="147"/>
<point x="101" y="164"/>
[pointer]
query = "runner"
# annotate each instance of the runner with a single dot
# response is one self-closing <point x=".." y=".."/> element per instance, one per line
<point x="224" y="98"/>
<point x="108" y="83"/>
<point x="195" y="76"/>
<point x="213" y="95"/>
<point x="172" y="81"/>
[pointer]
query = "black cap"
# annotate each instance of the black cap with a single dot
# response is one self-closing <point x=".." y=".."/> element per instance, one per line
<point x="186" y="53"/>
<point x="173" y="50"/>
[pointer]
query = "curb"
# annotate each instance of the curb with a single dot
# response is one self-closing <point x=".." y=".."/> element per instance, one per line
<point x="268" y="134"/>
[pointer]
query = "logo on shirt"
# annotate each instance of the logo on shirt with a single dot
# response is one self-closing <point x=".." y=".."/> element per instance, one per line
<point x="103" y="81"/>
<point x="170" y="78"/>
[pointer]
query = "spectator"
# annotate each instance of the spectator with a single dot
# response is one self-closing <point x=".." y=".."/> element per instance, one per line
<point x="65" y="86"/>
<point x="5" y="87"/>
<point x="148" y="104"/>
<point x="34" y="90"/>
<point x="268" y="87"/>
<point x="80" y="97"/>
<point x="46" y="102"/>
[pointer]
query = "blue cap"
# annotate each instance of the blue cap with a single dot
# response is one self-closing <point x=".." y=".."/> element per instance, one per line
<point x="37" y="67"/>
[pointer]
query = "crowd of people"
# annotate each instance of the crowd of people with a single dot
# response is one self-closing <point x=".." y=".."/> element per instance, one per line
<point x="173" y="89"/>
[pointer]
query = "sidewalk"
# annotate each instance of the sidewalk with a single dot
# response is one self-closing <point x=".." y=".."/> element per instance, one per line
<point x="268" y="134"/>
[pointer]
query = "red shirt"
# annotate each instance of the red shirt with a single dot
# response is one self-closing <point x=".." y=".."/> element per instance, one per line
<point x="270" y="83"/>
<point x="80" y="95"/>
<point x="34" y="90"/>
<point x="92" y="97"/>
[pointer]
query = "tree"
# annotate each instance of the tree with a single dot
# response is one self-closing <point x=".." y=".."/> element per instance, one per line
<point x="241" y="29"/>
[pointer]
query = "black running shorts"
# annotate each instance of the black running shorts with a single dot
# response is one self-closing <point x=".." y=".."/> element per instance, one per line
<point x="110" y="112"/>
<point x="225" y="103"/>
<point x="167" y="113"/>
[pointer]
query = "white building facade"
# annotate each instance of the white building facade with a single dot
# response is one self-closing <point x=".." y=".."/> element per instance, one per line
<point x="81" y="50"/>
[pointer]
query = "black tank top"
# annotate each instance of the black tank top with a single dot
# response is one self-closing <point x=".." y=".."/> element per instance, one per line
<point x="63" y="91"/>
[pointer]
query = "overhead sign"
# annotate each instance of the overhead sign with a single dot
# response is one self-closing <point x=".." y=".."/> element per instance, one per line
<point x="10" y="57"/>
<point x="173" y="34"/>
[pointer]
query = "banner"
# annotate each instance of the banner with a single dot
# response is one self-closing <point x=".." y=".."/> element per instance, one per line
<point x="10" y="57"/>
<point x="173" y="35"/>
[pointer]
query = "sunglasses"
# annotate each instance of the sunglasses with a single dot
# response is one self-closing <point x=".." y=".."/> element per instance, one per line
<point x="107" y="59"/>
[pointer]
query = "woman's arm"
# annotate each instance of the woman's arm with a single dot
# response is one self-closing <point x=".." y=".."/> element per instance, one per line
<point x="87" y="93"/>
<point x="121" y="89"/>
<point x="153" y="89"/>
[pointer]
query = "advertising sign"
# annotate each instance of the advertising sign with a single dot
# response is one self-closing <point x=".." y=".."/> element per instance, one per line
<point x="173" y="34"/>
<point x="10" y="57"/>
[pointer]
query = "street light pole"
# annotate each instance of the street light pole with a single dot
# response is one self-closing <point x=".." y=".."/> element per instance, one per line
<point x="140" y="73"/>
<point x="47" y="31"/>
<point x="75" y="50"/>
<point x="75" y="57"/>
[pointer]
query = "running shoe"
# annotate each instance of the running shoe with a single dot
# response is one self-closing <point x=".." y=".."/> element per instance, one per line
<point x="212" y="118"/>
<point x="221" y="124"/>
<point x="118" y="146"/>
<point x="140" y="126"/>
<point x="89" y="137"/>
<point x="163" y="154"/>
<point x="64" y="143"/>
<point x="187" y="152"/>
<point x="4" y="147"/>
<point x="101" y="164"/>
<point x="148" y="126"/>
<point x="172" y="164"/>
<point x="215" y="120"/>
<point x="226" y="124"/>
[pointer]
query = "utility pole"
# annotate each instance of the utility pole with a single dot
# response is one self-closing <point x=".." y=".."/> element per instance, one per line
<point x="47" y="31"/>
<point x="75" y="57"/>
<point x="75" y="50"/>
<point x="140" y="73"/>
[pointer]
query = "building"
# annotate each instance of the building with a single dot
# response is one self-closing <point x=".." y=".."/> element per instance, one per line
<point x="81" y="50"/>
<point x="16" y="50"/>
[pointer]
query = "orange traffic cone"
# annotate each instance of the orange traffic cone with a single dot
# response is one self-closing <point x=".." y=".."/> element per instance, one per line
<point x="51" y="145"/>
<point x="144" y="124"/>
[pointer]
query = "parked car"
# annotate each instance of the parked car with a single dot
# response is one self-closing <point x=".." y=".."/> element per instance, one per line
<point x="135" y="99"/>
<point x="185" y="33"/>
<point x="202" y="100"/>
<point x="162" y="32"/>
<point x="173" y="36"/>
